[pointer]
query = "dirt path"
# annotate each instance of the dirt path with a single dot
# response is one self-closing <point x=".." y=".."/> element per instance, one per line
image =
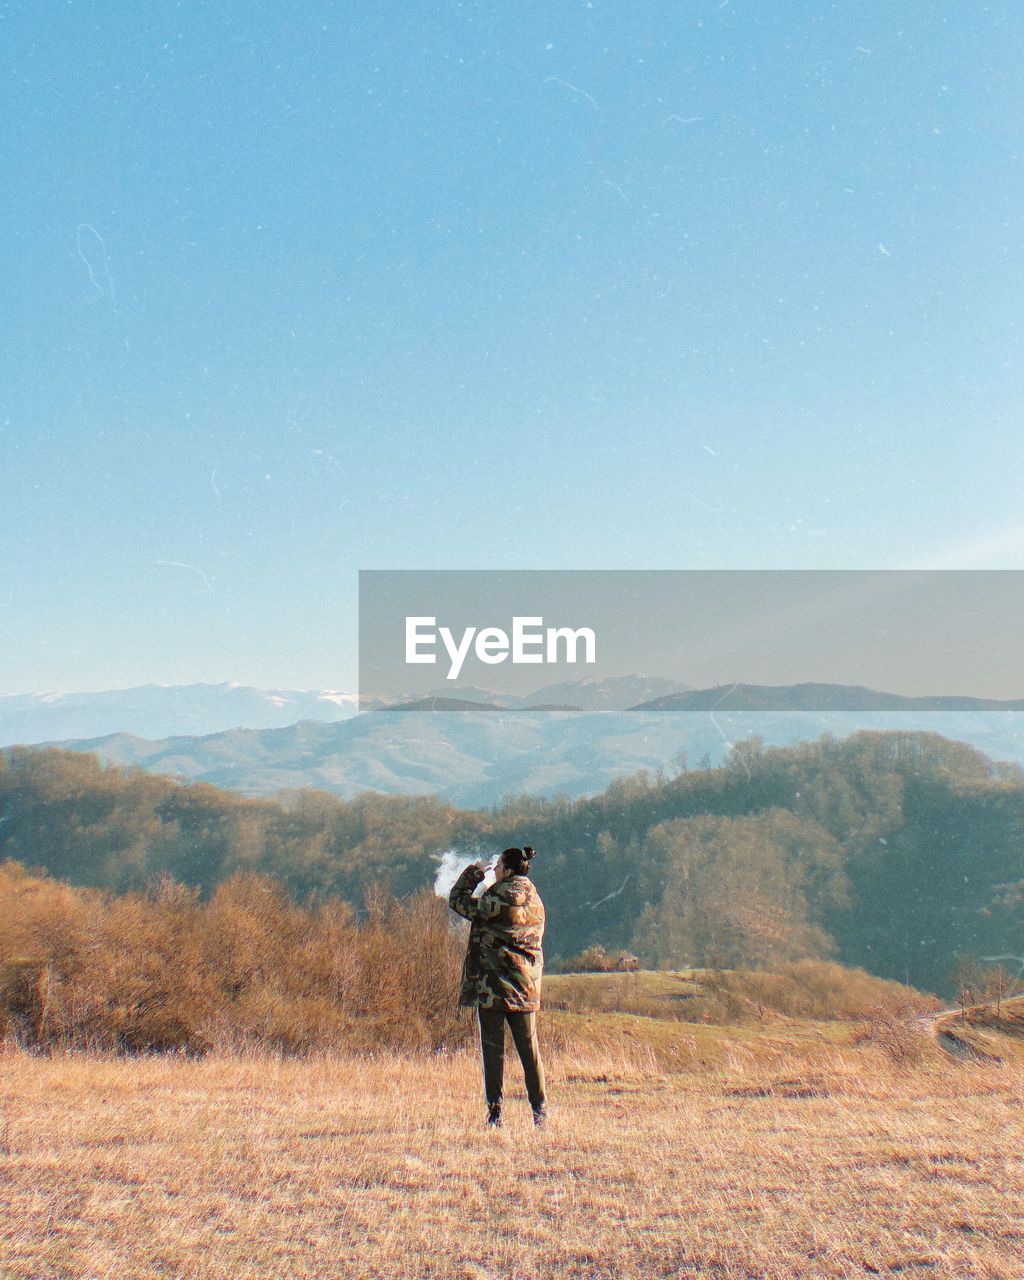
<point x="962" y="1039"/>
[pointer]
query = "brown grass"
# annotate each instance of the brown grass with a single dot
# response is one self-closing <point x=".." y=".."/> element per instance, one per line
<point x="818" y="989"/>
<point x="774" y="1160"/>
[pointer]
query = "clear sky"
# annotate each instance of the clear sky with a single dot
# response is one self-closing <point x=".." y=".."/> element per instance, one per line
<point x="294" y="290"/>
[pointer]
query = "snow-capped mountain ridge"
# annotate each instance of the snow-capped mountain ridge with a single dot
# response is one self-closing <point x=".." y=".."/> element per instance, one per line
<point x="156" y="711"/>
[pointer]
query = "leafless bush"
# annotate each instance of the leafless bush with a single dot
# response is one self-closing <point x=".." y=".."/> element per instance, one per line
<point x="898" y="1031"/>
<point x="159" y="970"/>
<point x="592" y="959"/>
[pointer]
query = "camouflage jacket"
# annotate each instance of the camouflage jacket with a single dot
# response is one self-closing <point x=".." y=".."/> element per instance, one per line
<point x="504" y="961"/>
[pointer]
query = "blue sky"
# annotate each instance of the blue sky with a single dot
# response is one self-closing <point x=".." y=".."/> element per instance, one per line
<point x="292" y="291"/>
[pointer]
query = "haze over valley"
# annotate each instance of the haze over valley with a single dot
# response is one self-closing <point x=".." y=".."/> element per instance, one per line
<point x="573" y="738"/>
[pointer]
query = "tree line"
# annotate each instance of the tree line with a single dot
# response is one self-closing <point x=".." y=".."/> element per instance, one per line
<point x="890" y="851"/>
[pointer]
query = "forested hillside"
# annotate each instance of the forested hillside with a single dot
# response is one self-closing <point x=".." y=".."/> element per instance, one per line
<point x="890" y="851"/>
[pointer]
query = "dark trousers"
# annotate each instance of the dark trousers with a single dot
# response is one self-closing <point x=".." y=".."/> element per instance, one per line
<point x="492" y="1050"/>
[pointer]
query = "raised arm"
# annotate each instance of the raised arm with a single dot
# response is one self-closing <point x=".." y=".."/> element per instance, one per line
<point x="490" y="904"/>
<point x="461" y="897"/>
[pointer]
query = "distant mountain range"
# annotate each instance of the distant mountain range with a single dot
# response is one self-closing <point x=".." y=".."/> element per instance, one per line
<point x="615" y="693"/>
<point x="160" y="711"/>
<point x="157" y="711"/>
<point x="590" y="693"/>
<point x="478" y="754"/>
<point x="816" y="697"/>
<point x="735" y="697"/>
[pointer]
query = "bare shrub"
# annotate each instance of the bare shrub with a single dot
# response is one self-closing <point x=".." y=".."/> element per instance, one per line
<point x="81" y="968"/>
<point x="592" y="959"/>
<point x="899" y="1032"/>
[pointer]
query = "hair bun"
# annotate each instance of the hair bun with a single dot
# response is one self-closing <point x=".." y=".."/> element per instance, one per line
<point x="529" y="852"/>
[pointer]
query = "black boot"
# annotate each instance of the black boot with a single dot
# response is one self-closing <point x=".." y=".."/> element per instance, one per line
<point x="494" y="1115"/>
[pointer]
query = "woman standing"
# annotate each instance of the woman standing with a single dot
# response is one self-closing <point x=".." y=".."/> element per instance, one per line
<point x="501" y="975"/>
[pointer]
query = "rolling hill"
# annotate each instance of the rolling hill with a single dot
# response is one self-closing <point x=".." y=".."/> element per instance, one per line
<point x="476" y="756"/>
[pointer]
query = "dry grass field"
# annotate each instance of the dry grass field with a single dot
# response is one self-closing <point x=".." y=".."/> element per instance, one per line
<point x="781" y="1151"/>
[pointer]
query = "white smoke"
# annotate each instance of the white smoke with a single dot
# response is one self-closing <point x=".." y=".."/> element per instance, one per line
<point x="451" y="865"/>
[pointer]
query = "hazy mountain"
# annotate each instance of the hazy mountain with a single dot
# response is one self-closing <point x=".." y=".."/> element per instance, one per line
<point x="614" y="693"/>
<point x="160" y="711"/>
<point x="476" y="757"/>
<point x="816" y="697"/>
<point x="436" y="703"/>
<point x="465" y="693"/>
<point x="589" y="693"/>
<point x="164" y="711"/>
